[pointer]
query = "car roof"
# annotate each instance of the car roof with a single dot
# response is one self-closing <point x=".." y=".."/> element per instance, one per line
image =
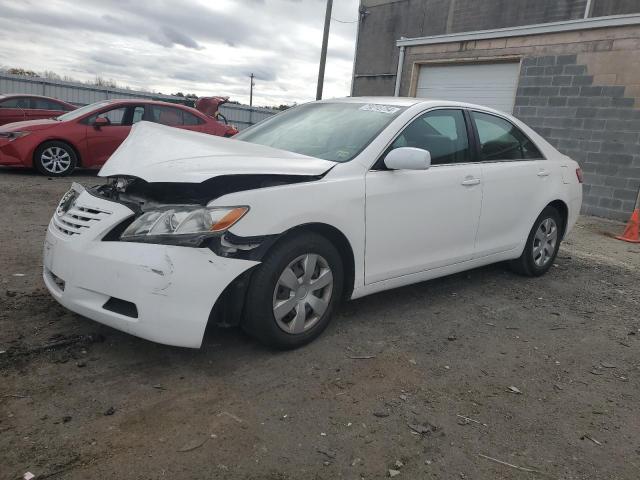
<point x="126" y="101"/>
<point x="399" y="101"/>
<point x="11" y="95"/>
<point x="411" y="101"/>
<point x="30" y="95"/>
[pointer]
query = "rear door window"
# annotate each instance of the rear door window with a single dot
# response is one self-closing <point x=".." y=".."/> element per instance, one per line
<point x="501" y="140"/>
<point x="170" y="116"/>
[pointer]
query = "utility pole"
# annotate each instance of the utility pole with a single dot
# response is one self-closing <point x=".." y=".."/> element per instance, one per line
<point x="252" y="76"/>
<point x="588" y="8"/>
<point x="323" y="53"/>
<point x="362" y="13"/>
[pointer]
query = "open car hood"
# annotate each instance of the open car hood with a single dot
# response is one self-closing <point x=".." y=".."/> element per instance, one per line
<point x="157" y="153"/>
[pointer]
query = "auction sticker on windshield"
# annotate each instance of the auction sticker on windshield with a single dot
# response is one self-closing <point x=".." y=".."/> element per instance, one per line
<point x="371" y="107"/>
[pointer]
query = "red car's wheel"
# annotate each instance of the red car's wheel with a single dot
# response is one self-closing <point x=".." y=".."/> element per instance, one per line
<point x="55" y="159"/>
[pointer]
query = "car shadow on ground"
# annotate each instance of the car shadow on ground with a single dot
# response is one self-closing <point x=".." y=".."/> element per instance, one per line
<point x="360" y="312"/>
<point x="228" y="347"/>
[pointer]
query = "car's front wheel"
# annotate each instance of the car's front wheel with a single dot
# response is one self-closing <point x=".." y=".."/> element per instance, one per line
<point x="542" y="244"/>
<point x="293" y="293"/>
<point x="55" y="159"/>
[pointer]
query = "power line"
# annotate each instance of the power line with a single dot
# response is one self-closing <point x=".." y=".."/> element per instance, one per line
<point x="343" y="21"/>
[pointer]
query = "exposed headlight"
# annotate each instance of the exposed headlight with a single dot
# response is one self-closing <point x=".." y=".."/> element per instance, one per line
<point x="182" y="224"/>
<point x="13" y="135"/>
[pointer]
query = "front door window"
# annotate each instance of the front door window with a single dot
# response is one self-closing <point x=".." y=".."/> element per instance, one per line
<point x="442" y="132"/>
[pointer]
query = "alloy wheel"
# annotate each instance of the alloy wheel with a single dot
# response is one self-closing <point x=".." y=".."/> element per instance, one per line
<point x="544" y="242"/>
<point x="55" y="160"/>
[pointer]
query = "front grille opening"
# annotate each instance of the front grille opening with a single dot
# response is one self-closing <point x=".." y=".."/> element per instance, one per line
<point x="57" y="280"/>
<point x="67" y="232"/>
<point x="78" y="218"/>
<point x="68" y="223"/>
<point x="93" y="211"/>
<point x="122" y="307"/>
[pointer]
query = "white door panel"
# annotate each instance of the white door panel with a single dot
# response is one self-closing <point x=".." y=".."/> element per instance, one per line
<point x="510" y="191"/>
<point x="490" y="84"/>
<point x="420" y="219"/>
<point x="515" y="181"/>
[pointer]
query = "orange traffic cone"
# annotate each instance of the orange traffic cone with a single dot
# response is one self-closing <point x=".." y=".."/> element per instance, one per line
<point x="632" y="232"/>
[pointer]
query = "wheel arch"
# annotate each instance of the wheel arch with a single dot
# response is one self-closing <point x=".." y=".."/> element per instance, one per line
<point x="563" y="210"/>
<point x="61" y="140"/>
<point x="339" y="240"/>
<point x="229" y="307"/>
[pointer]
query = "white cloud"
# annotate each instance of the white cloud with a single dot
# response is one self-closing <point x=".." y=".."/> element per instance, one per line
<point x="202" y="47"/>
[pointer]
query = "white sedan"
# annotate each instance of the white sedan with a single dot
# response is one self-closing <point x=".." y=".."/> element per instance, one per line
<point x="327" y="201"/>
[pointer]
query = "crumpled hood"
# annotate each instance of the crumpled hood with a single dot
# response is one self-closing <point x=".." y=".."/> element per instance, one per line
<point x="157" y="153"/>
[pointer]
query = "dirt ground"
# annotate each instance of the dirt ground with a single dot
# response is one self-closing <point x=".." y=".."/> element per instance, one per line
<point x="428" y="380"/>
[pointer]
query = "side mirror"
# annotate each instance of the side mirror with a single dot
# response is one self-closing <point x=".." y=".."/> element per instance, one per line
<point x="408" y="158"/>
<point x="101" y="122"/>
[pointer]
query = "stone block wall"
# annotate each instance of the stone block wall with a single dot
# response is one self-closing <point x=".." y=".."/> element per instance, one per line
<point x="386" y="21"/>
<point x="595" y="124"/>
<point x="580" y="90"/>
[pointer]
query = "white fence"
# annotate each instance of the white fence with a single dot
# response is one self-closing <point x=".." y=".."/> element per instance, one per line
<point x="80" y="94"/>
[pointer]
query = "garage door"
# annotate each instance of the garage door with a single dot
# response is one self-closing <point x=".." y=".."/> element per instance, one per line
<point x="490" y="84"/>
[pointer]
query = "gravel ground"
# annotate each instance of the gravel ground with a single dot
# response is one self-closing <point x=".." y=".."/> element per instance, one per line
<point x="443" y="379"/>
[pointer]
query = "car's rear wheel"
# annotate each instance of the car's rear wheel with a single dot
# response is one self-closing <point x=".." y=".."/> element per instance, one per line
<point x="55" y="159"/>
<point x="293" y="293"/>
<point x="542" y="245"/>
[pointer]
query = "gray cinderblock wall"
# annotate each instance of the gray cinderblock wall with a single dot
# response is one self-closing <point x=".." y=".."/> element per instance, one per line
<point x="594" y="124"/>
<point x="579" y="89"/>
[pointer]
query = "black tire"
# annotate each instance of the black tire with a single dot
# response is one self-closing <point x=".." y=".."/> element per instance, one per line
<point x="47" y="164"/>
<point x="259" y="320"/>
<point x="525" y="265"/>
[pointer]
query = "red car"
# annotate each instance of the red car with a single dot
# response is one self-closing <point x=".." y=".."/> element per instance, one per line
<point x="17" y="108"/>
<point x="87" y="137"/>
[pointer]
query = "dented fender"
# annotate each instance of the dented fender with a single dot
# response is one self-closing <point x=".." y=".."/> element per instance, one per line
<point x="335" y="200"/>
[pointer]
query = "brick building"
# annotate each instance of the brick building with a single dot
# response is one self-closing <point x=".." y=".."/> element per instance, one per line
<point x="568" y="68"/>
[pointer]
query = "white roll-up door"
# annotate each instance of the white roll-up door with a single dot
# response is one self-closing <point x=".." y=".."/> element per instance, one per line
<point x="489" y="84"/>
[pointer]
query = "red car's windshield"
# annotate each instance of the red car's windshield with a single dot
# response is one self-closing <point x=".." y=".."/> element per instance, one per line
<point x="81" y="111"/>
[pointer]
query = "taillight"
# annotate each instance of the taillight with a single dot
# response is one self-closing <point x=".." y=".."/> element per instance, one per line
<point x="579" y="175"/>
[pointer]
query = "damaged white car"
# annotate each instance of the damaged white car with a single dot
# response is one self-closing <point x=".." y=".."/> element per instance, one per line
<point x="327" y="201"/>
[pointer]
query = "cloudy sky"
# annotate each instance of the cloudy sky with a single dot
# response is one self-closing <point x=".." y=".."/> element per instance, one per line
<point x="206" y="47"/>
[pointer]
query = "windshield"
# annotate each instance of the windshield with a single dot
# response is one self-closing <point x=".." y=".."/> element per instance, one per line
<point x="77" y="113"/>
<point x="332" y="131"/>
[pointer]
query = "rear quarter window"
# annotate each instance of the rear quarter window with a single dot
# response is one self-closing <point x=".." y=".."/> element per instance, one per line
<point x="16" y="102"/>
<point x="191" y="119"/>
<point x="45" y="104"/>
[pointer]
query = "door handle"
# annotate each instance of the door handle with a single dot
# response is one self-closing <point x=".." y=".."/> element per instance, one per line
<point x="470" y="181"/>
<point x="544" y="173"/>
